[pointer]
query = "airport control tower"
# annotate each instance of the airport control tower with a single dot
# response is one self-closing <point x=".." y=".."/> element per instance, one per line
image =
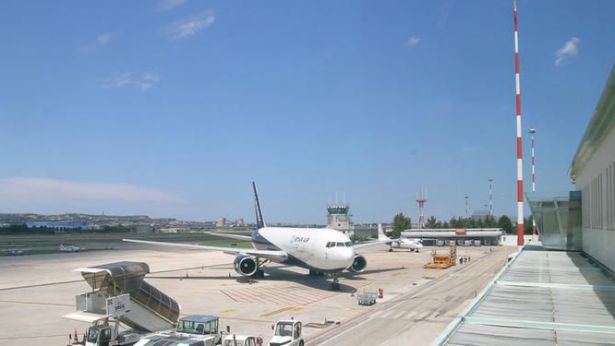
<point x="338" y="218"/>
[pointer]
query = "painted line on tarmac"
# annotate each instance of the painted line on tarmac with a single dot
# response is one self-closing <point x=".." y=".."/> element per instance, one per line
<point x="275" y="312"/>
<point x="40" y="285"/>
<point x="32" y="337"/>
<point x="389" y="305"/>
<point x="74" y="281"/>
<point x="33" y="303"/>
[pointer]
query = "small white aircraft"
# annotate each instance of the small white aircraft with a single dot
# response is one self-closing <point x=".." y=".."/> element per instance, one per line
<point x="321" y="250"/>
<point x="69" y="248"/>
<point x="400" y="243"/>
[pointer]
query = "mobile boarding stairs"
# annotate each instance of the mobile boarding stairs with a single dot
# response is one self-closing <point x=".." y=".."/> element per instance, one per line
<point x="148" y="309"/>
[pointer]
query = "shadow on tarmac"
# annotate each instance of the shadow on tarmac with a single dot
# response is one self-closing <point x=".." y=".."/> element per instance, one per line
<point x="276" y="274"/>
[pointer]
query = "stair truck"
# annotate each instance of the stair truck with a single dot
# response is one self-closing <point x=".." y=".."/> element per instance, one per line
<point x="121" y="296"/>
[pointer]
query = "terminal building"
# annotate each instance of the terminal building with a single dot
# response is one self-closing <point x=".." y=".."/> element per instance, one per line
<point x="462" y="236"/>
<point x="563" y="297"/>
<point x="65" y="224"/>
<point x="593" y="173"/>
<point x="584" y="219"/>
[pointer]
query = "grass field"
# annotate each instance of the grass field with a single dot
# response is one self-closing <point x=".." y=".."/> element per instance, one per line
<point x="33" y="244"/>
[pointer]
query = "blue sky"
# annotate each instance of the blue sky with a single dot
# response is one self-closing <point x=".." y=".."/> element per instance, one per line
<point x="170" y="108"/>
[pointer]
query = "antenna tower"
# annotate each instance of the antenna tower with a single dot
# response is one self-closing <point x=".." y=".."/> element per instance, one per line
<point x="420" y="199"/>
<point x="520" y="226"/>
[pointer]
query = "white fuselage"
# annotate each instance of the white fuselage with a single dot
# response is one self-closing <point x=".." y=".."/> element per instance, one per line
<point x="412" y="244"/>
<point x="320" y="249"/>
<point x="69" y="248"/>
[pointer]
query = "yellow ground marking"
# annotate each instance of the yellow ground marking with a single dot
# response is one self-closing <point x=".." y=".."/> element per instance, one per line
<point x="274" y="312"/>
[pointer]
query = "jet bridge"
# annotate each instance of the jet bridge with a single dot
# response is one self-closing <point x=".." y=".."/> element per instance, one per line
<point x="149" y="310"/>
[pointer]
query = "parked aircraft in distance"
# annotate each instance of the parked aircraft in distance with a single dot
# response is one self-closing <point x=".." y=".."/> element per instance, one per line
<point x="69" y="248"/>
<point x="400" y="243"/>
<point x="321" y="250"/>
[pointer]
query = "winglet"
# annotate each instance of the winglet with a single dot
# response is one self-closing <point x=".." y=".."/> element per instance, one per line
<point x="260" y="223"/>
<point x="381" y="235"/>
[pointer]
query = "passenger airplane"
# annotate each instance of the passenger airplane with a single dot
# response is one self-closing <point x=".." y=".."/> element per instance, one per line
<point x="69" y="248"/>
<point x="400" y="243"/>
<point x="321" y="250"/>
<point x="406" y="243"/>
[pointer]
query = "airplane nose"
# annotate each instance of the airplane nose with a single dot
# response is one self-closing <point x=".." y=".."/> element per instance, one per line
<point x="342" y="257"/>
<point x="349" y="255"/>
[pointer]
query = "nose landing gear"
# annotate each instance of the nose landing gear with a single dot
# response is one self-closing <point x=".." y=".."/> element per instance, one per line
<point x="335" y="285"/>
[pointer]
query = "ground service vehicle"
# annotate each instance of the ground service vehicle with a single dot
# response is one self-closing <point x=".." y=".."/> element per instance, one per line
<point x="101" y="333"/>
<point x="242" y="340"/>
<point x="287" y="333"/>
<point x="192" y="330"/>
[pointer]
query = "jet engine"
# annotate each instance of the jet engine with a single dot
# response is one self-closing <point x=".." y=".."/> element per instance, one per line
<point x="245" y="265"/>
<point x="358" y="264"/>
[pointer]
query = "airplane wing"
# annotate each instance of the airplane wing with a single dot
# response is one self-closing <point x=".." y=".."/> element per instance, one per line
<point x="370" y="243"/>
<point x="231" y="236"/>
<point x="275" y="255"/>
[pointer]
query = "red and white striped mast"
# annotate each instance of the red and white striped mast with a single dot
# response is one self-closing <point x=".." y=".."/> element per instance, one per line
<point x="420" y="199"/>
<point x="532" y="131"/>
<point x="520" y="226"/>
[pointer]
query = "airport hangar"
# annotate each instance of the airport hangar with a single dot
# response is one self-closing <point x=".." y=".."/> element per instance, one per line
<point x="462" y="236"/>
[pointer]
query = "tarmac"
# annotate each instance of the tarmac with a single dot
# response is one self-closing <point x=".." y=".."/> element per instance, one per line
<point x="418" y="304"/>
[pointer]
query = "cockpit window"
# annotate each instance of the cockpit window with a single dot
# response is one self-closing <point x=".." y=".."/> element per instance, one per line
<point x="339" y="244"/>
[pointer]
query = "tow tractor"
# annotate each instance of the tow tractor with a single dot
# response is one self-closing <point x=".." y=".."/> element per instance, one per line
<point x="242" y="340"/>
<point x="191" y="330"/>
<point x="287" y="333"/>
<point x="102" y="333"/>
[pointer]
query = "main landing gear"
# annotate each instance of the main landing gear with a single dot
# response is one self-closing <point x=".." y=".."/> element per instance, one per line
<point x="259" y="273"/>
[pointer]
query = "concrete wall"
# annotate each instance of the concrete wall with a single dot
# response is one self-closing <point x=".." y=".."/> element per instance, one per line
<point x="597" y="183"/>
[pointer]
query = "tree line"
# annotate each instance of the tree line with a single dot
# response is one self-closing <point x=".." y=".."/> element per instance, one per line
<point x="402" y="222"/>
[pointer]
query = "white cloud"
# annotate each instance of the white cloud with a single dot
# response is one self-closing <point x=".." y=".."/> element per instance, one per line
<point x="413" y="40"/>
<point x="103" y="39"/>
<point x="190" y="26"/>
<point x="166" y="5"/>
<point x="96" y="44"/>
<point x="145" y="82"/>
<point x="26" y="189"/>
<point x="570" y="48"/>
<point x="148" y="80"/>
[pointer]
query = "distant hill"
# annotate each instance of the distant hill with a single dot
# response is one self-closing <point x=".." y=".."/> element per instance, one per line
<point x="100" y="220"/>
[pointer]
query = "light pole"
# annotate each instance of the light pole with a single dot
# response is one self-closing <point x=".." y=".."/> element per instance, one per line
<point x="466" y="197"/>
<point x="490" y="197"/>
<point x="532" y="131"/>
